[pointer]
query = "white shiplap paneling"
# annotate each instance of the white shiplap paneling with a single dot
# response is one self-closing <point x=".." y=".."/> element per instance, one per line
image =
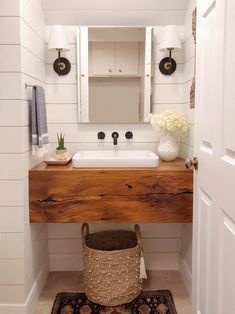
<point x="14" y="113"/>
<point x="64" y="243"/>
<point x="11" y="294"/>
<point x="13" y="166"/>
<point x="10" y="8"/>
<point x="10" y="58"/>
<point x="10" y="87"/>
<point x="12" y="271"/>
<point x="9" y="30"/>
<point x="22" y="49"/>
<point x="154" y="261"/>
<point x="19" y="142"/>
<point x="12" y="246"/>
<point x="11" y="219"/>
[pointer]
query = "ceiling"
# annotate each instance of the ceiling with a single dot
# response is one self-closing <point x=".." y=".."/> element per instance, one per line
<point x="114" y="12"/>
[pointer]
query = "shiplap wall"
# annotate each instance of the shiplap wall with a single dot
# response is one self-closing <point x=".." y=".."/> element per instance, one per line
<point x="33" y="57"/>
<point x="188" y="142"/>
<point x="23" y="247"/>
<point x="162" y="241"/>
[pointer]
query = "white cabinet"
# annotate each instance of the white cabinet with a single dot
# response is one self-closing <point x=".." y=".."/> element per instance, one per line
<point x="114" y="59"/>
<point x="102" y="58"/>
<point x="127" y="58"/>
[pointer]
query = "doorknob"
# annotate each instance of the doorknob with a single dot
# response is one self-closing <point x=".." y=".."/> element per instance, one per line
<point x="191" y="163"/>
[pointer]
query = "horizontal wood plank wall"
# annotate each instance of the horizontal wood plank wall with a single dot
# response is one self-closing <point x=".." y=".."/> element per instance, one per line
<point x="13" y="127"/>
<point x="62" y="117"/>
<point x="62" y="104"/>
<point x="33" y="57"/>
<point x="23" y="246"/>
<point x="66" y="194"/>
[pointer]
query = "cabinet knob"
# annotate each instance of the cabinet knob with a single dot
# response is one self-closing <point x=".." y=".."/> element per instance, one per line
<point x="110" y="70"/>
<point x="120" y="70"/>
<point x="82" y="75"/>
<point x="147" y="75"/>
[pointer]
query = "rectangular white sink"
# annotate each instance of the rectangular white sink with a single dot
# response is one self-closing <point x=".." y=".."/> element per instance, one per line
<point x="115" y="158"/>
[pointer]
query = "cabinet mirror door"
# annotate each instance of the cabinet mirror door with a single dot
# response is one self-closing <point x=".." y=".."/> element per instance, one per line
<point x="114" y="74"/>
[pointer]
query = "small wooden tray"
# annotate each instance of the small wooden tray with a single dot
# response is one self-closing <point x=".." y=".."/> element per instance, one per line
<point x="54" y="161"/>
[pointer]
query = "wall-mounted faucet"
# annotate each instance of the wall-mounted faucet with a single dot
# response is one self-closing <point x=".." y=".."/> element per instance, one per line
<point x="115" y="136"/>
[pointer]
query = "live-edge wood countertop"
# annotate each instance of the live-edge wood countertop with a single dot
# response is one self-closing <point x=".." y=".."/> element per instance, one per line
<point x="110" y="195"/>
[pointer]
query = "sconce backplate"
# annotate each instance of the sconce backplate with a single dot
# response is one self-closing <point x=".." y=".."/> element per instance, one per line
<point x="62" y="66"/>
<point x="167" y="66"/>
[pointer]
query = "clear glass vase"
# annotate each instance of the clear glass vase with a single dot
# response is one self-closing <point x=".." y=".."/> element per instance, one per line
<point x="168" y="148"/>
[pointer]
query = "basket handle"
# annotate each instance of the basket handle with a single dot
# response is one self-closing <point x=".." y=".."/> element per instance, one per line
<point x="138" y="236"/>
<point x="84" y="231"/>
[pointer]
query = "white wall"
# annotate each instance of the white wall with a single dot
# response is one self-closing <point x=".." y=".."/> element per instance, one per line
<point x="23" y="247"/>
<point x="161" y="245"/>
<point x="188" y="142"/>
<point x="162" y="241"/>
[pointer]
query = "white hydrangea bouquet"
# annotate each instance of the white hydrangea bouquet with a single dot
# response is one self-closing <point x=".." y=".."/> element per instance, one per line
<point x="170" y="123"/>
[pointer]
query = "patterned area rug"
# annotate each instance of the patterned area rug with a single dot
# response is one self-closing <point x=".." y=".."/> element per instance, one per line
<point x="148" y="302"/>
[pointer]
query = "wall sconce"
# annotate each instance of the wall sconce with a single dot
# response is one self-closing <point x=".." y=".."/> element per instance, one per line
<point x="170" y="41"/>
<point x="58" y="41"/>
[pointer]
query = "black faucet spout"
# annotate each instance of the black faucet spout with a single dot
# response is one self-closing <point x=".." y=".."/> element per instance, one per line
<point x="115" y="136"/>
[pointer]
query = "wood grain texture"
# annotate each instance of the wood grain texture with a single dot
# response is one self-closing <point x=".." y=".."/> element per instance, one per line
<point x="65" y="194"/>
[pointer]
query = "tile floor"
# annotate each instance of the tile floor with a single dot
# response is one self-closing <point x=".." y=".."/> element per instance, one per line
<point x="72" y="281"/>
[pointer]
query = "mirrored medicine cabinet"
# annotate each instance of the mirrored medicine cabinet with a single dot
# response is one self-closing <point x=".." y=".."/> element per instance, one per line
<point x="114" y="74"/>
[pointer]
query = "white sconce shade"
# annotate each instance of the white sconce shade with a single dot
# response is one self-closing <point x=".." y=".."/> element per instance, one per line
<point x="170" y="41"/>
<point x="58" y="38"/>
<point x="170" y="38"/>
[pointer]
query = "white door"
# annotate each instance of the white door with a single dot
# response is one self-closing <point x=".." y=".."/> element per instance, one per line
<point x="214" y="210"/>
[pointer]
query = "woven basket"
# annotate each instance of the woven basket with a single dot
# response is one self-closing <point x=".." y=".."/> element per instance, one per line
<point x="111" y="261"/>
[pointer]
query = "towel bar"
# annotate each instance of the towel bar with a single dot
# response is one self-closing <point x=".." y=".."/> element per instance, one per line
<point x="28" y="85"/>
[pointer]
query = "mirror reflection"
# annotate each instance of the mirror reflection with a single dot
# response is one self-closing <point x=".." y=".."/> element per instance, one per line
<point x="114" y="68"/>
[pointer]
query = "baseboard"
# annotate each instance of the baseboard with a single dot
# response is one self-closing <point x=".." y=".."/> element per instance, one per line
<point x="33" y="297"/>
<point x="36" y="289"/>
<point x="186" y="276"/>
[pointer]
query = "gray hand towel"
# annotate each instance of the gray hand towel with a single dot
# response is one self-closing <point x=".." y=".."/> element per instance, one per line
<point x="40" y="139"/>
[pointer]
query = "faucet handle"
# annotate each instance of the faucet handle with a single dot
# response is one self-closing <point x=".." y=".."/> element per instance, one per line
<point x="129" y="135"/>
<point x="101" y="135"/>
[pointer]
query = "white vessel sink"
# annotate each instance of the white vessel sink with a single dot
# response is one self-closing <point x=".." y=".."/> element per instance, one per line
<point x="115" y="158"/>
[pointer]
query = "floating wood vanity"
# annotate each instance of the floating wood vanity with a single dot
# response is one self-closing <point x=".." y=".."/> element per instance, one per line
<point x="111" y="195"/>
